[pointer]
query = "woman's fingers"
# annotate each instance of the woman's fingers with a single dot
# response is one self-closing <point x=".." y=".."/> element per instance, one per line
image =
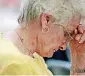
<point x="78" y="37"/>
<point x="80" y="29"/>
<point x="82" y="39"/>
<point x="75" y="31"/>
<point x="80" y="33"/>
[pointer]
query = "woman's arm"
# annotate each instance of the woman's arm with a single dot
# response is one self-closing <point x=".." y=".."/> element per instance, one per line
<point x="77" y="58"/>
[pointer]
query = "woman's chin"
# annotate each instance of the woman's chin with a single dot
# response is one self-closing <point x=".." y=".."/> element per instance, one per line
<point x="48" y="55"/>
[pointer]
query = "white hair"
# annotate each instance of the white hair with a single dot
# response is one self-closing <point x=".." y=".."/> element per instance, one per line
<point x="61" y="10"/>
<point x="79" y="5"/>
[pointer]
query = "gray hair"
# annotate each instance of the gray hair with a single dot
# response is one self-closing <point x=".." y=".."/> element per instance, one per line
<point x="61" y="10"/>
<point x="79" y="5"/>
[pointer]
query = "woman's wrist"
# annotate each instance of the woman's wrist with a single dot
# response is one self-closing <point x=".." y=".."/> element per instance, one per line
<point x="78" y="59"/>
<point x="77" y="71"/>
<point x="78" y="65"/>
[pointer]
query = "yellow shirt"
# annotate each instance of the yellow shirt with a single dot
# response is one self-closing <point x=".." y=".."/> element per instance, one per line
<point x="12" y="62"/>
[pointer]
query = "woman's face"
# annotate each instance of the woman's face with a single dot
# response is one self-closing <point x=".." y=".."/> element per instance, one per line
<point x="55" y="39"/>
<point x="51" y="41"/>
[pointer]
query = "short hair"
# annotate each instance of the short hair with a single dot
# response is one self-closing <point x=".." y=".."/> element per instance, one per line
<point x="61" y="10"/>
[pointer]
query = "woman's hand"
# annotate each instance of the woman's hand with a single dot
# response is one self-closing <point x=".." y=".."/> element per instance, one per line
<point x="77" y="47"/>
<point x="80" y="34"/>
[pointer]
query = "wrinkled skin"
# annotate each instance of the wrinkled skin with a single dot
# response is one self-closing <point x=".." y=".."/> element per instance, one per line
<point x="77" y="49"/>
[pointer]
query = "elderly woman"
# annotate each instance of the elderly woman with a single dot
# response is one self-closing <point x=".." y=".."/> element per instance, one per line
<point x="45" y="26"/>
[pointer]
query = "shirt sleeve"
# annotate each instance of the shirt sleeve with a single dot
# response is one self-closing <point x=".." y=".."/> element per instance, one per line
<point x="16" y="69"/>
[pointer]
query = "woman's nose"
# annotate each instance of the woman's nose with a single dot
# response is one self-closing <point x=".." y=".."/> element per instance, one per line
<point x="63" y="46"/>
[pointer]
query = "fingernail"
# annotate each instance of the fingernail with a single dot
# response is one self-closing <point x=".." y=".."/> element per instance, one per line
<point x="82" y="31"/>
<point x="77" y="38"/>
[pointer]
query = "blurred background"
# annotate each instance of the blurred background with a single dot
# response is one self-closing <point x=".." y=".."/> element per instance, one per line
<point x="59" y="64"/>
<point x="9" y="11"/>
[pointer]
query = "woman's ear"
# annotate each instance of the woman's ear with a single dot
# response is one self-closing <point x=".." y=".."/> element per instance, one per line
<point x="44" y="20"/>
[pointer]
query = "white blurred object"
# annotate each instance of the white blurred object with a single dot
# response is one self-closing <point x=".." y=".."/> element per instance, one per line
<point x="9" y="10"/>
<point x="8" y="20"/>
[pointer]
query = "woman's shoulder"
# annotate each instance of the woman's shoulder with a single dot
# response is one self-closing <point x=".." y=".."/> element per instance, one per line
<point x="12" y="65"/>
<point x="7" y="46"/>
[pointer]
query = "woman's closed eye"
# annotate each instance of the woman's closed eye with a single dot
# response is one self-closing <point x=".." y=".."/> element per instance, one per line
<point x="68" y="35"/>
